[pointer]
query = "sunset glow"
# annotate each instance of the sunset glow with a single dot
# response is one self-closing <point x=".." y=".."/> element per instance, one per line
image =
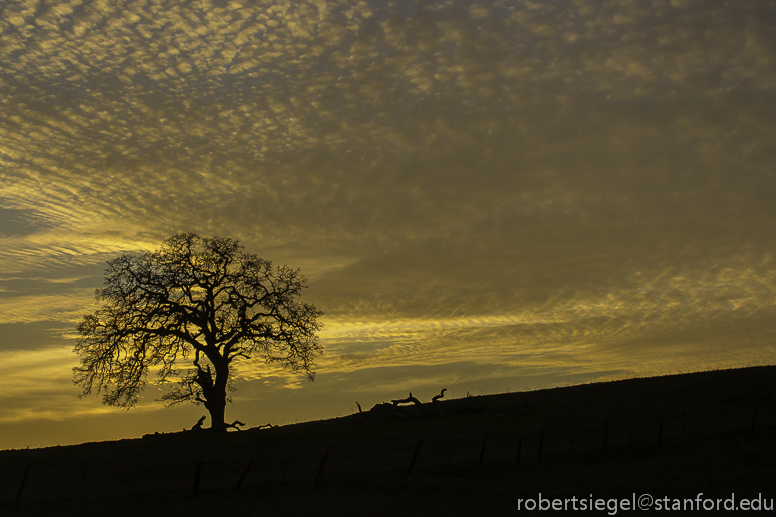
<point x="491" y="196"/>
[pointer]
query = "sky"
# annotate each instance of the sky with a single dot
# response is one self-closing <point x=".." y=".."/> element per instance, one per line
<point x="489" y="196"/>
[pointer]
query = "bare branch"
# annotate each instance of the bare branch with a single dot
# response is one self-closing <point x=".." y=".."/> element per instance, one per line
<point x="195" y="295"/>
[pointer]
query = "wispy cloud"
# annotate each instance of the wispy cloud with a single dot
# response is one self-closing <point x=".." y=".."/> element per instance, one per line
<point x="503" y="182"/>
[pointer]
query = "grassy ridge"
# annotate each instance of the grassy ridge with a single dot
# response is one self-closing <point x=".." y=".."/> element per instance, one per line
<point x="670" y="436"/>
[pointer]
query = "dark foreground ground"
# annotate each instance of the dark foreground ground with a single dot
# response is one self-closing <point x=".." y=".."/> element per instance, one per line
<point x="671" y="438"/>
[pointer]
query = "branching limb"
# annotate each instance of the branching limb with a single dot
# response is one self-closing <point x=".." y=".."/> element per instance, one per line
<point x="197" y="300"/>
<point x="236" y="425"/>
<point x="198" y="425"/>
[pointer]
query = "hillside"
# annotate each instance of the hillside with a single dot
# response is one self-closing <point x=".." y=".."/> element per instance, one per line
<point x="671" y="436"/>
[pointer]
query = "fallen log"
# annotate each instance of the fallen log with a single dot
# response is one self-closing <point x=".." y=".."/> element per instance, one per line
<point x="408" y="400"/>
<point x="434" y="403"/>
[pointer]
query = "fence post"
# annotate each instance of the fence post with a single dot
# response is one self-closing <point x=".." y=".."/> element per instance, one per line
<point x="83" y="477"/>
<point x="541" y="445"/>
<point x="197" y="474"/>
<point x="415" y="456"/>
<point x="484" y="441"/>
<point x="243" y="476"/>
<point x="573" y="435"/>
<point x="369" y="456"/>
<point x="320" y="468"/>
<point x="754" y="419"/>
<point x="285" y="470"/>
<point x="24" y="480"/>
<point x="660" y="433"/>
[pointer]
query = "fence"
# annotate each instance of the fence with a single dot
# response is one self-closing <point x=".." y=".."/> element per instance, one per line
<point x="368" y="453"/>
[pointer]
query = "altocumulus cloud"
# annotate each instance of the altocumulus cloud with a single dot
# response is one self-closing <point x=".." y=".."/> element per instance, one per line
<point x="480" y="190"/>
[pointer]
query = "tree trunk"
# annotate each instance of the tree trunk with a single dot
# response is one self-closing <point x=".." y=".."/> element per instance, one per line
<point x="217" y="409"/>
<point x="214" y="391"/>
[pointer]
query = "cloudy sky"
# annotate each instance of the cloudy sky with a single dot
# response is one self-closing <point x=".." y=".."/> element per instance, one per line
<point x="484" y="196"/>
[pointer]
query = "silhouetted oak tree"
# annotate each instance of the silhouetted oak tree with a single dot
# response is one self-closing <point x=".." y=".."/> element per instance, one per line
<point x="198" y="300"/>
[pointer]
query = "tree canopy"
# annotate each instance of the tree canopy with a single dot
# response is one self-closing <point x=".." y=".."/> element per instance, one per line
<point x="199" y="301"/>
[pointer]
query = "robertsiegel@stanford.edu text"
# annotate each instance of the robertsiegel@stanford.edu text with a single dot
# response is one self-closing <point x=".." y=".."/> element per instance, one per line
<point x="646" y="502"/>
